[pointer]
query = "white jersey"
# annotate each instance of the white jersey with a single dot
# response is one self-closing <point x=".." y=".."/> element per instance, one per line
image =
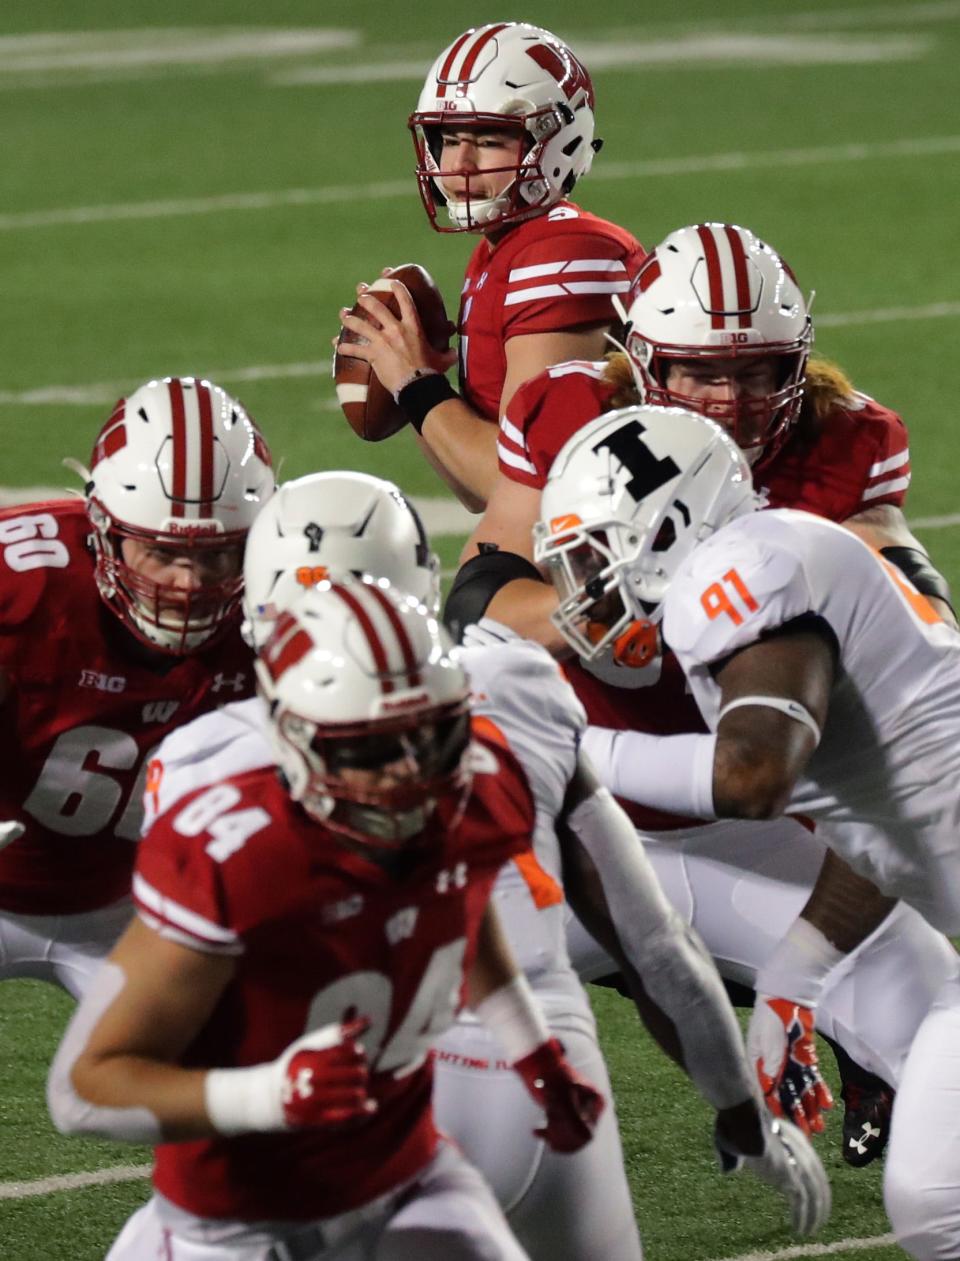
<point x="882" y="783"/>
<point x="518" y="686"/>
<point x="225" y="742"/>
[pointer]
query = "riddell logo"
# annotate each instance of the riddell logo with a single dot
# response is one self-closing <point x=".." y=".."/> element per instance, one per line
<point x="185" y="530"/>
<point x="388" y="706"/>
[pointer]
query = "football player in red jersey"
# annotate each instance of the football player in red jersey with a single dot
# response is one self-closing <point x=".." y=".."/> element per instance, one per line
<point x="119" y="620"/>
<point x="718" y="324"/>
<point x="301" y="940"/>
<point x="504" y="129"/>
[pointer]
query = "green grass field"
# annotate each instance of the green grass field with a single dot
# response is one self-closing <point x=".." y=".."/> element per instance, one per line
<point x="201" y="197"/>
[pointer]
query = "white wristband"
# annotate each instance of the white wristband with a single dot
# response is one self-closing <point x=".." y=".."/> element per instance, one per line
<point x="672" y="773"/>
<point x="514" y="1016"/>
<point x="240" y="1100"/>
<point x="799" y="965"/>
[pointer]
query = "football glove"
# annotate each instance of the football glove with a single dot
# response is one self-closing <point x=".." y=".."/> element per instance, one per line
<point x="10" y="832"/>
<point x="781" y="1047"/>
<point x="572" y="1105"/>
<point x="319" y="1080"/>
<point x="789" y="1165"/>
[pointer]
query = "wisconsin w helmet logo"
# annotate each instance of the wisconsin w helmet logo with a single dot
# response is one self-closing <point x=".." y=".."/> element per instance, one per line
<point x="647" y="473"/>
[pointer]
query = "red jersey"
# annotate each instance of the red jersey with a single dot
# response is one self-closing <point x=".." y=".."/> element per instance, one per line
<point x="320" y="932"/>
<point x="859" y="459"/>
<point x="553" y="272"/>
<point x="85" y="710"/>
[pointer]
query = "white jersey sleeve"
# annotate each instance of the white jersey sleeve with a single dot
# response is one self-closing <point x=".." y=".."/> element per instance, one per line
<point x="735" y="588"/>
<point x="226" y="742"/>
<point x="519" y="687"/>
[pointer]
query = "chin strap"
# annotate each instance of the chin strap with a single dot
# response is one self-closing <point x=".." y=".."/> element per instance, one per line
<point x="634" y="648"/>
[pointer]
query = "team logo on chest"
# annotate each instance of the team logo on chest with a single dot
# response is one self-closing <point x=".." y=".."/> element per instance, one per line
<point x="346" y="908"/>
<point x="160" y="711"/>
<point x="400" y="927"/>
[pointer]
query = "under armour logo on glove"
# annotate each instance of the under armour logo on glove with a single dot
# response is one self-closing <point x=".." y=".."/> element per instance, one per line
<point x="781" y="1047"/>
<point x="325" y="1080"/>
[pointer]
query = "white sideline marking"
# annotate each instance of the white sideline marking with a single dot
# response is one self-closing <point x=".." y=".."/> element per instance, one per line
<point x="922" y="146"/>
<point x="99" y="50"/>
<point x="817" y="1249"/>
<point x="630" y="54"/>
<point x="107" y="392"/>
<point x="73" y="1181"/>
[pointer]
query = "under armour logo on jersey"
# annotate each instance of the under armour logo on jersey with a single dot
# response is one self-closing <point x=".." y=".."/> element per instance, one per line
<point x="869" y="1132"/>
<point x="236" y="682"/>
<point x="102" y="682"/>
<point x="160" y="711"/>
<point x="455" y="878"/>
<point x="400" y="927"/>
<point x="313" y="533"/>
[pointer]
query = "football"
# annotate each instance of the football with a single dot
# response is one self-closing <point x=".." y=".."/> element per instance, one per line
<point x="369" y="408"/>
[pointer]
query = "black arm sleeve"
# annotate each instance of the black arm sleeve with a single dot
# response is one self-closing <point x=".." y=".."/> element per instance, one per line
<point x="916" y="565"/>
<point x="478" y="581"/>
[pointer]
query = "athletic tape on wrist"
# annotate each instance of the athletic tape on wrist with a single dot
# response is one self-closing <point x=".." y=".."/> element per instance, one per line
<point x="513" y="1015"/>
<point x="799" y="965"/>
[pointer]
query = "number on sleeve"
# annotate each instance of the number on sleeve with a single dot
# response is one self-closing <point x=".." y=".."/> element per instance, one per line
<point x="230" y="832"/>
<point x="716" y="600"/>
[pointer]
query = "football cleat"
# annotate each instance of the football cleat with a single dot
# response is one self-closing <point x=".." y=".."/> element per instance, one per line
<point x="866" y="1123"/>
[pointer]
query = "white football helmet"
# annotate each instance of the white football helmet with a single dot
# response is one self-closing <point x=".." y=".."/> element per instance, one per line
<point x="505" y="75"/>
<point x="333" y="525"/>
<point x="715" y="290"/>
<point x="180" y="466"/>
<point x="628" y="498"/>
<point x="369" y="712"/>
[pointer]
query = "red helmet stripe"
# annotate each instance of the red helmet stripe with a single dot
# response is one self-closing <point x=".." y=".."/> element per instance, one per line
<point x="206" y="448"/>
<point x="406" y="647"/>
<point x="443" y="78"/>
<point x="288" y="644"/>
<point x="175" y="389"/>
<point x="649" y="273"/>
<point x="471" y="58"/>
<point x="380" y="661"/>
<point x="738" y="254"/>
<point x="714" y="275"/>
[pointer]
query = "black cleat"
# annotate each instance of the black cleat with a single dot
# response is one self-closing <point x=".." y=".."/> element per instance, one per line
<point x="866" y="1123"/>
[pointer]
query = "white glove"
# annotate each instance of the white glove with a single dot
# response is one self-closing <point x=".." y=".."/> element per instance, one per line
<point x="10" y="832"/>
<point x="789" y="1165"/>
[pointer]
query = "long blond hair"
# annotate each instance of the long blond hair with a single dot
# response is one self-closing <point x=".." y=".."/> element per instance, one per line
<point x="826" y="388"/>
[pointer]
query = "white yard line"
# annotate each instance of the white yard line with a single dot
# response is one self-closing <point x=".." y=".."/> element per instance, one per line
<point x="107" y="392"/>
<point x="73" y="1181"/>
<point x="921" y="146"/>
<point x="837" y="1248"/>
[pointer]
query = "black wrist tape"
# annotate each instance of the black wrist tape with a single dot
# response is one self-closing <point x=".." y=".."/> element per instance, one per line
<point x="421" y="396"/>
